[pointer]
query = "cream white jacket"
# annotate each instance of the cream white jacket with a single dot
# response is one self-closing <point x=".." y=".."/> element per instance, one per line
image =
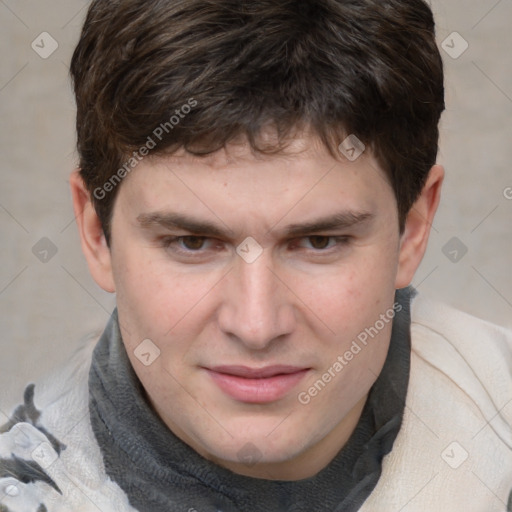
<point x="454" y="449"/>
<point x="453" y="452"/>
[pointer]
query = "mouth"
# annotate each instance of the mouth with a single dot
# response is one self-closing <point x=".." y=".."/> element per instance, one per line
<point x="256" y="385"/>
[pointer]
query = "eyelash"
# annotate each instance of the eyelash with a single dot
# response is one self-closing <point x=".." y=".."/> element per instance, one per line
<point x="167" y="242"/>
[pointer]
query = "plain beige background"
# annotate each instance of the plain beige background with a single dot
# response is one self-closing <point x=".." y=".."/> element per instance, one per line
<point x="48" y="306"/>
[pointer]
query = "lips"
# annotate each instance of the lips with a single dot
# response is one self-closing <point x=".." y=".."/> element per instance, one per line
<point x="256" y="385"/>
<point x="256" y="373"/>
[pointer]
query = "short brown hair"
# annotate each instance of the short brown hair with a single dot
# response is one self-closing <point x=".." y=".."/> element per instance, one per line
<point x="365" y="67"/>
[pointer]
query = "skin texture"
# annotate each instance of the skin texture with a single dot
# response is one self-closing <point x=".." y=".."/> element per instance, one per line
<point x="301" y="302"/>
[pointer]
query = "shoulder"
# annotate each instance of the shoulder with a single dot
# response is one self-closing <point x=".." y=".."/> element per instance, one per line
<point x="461" y="365"/>
<point x="49" y="457"/>
<point x="458" y="327"/>
<point x="469" y="352"/>
<point x="454" y="448"/>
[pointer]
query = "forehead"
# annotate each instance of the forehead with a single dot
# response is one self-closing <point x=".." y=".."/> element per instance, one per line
<point x="303" y="177"/>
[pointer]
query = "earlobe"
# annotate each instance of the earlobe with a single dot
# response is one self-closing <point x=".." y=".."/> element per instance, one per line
<point x="413" y="243"/>
<point x="94" y="246"/>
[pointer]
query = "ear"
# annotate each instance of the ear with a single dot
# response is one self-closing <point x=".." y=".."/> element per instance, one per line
<point x="94" y="245"/>
<point x="413" y="242"/>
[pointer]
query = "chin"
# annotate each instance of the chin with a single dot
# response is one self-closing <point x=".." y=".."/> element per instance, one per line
<point x="258" y="448"/>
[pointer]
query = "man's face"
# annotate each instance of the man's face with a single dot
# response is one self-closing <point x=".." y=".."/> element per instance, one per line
<point x="290" y="301"/>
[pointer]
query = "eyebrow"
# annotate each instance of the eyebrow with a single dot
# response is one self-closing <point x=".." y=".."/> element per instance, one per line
<point x="173" y="220"/>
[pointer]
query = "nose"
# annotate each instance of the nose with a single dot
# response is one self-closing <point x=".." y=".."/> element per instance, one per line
<point x="257" y="306"/>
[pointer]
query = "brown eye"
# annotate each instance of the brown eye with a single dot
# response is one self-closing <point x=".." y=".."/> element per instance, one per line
<point x="193" y="243"/>
<point x="319" y="242"/>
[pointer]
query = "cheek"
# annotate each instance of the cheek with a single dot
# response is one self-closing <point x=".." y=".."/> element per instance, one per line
<point x="351" y="304"/>
<point x="142" y="300"/>
<point x="163" y="306"/>
<point x="353" y="296"/>
<point x="156" y="301"/>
